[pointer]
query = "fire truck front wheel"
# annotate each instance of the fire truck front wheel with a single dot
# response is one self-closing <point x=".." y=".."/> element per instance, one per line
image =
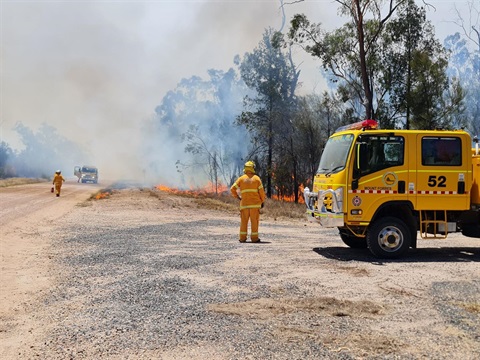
<point x="389" y="238"/>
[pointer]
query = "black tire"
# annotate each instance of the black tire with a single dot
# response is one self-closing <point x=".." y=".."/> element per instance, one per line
<point x="471" y="230"/>
<point x="353" y="241"/>
<point x="389" y="238"/>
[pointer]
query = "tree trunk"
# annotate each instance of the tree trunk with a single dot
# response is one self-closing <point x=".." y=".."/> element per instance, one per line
<point x="269" y="157"/>
<point x="363" y="63"/>
<point x="295" y="179"/>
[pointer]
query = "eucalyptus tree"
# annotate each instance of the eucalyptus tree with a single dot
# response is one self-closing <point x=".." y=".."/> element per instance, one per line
<point x="200" y="116"/>
<point x="471" y="26"/>
<point x="386" y="58"/>
<point x="6" y="155"/>
<point x="350" y="52"/>
<point x="316" y="118"/>
<point x="44" y="151"/>
<point x="427" y="98"/>
<point x="413" y="88"/>
<point x="272" y="76"/>
<point x="464" y="47"/>
<point x="211" y="157"/>
<point x="401" y="38"/>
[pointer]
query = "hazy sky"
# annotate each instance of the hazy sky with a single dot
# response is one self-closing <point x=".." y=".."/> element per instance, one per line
<point x="96" y="70"/>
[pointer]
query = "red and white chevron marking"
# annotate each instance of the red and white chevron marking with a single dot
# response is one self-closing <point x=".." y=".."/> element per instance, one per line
<point x="396" y="192"/>
<point x="433" y="192"/>
<point x="373" y="192"/>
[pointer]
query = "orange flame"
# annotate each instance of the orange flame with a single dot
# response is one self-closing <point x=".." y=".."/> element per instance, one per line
<point x="210" y="188"/>
<point x="291" y="198"/>
<point x="103" y="195"/>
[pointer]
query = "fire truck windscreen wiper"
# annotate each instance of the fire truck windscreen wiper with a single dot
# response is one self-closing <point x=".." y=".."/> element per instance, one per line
<point x="336" y="168"/>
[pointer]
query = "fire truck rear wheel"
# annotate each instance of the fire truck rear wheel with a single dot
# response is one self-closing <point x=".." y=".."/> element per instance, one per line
<point x="389" y="238"/>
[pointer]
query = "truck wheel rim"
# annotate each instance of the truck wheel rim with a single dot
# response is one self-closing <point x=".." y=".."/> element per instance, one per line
<point x="390" y="239"/>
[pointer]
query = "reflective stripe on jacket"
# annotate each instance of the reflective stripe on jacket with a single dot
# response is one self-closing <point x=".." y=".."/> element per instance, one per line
<point x="251" y="191"/>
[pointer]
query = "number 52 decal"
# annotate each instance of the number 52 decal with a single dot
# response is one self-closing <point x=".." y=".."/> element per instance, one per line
<point x="437" y="181"/>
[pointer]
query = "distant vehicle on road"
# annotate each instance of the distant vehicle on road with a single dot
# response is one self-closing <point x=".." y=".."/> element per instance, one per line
<point x="86" y="173"/>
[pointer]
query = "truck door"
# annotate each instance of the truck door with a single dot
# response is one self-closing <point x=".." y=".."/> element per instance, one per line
<point x="379" y="175"/>
<point x="442" y="173"/>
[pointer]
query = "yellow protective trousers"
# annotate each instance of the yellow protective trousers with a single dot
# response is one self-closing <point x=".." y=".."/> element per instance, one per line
<point x="58" y="188"/>
<point x="252" y="214"/>
<point x="58" y="181"/>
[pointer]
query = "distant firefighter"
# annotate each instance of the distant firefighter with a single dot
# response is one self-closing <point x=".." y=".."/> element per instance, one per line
<point x="58" y="181"/>
<point x="249" y="189"/>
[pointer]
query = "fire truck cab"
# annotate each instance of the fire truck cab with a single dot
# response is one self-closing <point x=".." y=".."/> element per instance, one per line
<point x="379" y="187"/>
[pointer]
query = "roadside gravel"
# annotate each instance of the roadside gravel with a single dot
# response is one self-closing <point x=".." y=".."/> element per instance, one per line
<point x="137" y="276"/>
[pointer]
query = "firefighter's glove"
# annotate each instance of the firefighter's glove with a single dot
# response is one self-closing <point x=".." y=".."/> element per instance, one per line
<point x="261" y="206"/>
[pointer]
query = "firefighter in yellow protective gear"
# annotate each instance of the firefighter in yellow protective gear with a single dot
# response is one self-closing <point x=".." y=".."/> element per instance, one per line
<point x="249" y="189"/>
<point x="58" y="181"/>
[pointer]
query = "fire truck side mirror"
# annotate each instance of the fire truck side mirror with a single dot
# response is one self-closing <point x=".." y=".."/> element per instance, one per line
<point x="354" y="184"/>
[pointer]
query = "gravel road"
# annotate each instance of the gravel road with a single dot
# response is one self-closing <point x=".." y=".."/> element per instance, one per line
<point x="149" y="275"/>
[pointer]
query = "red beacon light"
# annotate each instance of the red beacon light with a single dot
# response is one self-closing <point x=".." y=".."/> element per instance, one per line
<point x="361" y="125"/>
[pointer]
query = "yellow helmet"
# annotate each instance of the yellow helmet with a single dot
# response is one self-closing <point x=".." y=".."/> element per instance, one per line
<point x="249" y="167"/>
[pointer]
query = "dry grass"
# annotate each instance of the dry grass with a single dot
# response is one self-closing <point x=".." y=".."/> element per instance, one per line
<point x="265" y="308"/>
<point x="20" y="181"/>
<point x="473" y="308"/>
<point x="274" y="209"/>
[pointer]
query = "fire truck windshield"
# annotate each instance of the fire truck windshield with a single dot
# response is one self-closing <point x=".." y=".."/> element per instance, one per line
<point x="335" y="154"/>
<point x="89" y="170"/>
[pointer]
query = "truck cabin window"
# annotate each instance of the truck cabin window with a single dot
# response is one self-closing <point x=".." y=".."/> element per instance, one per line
<point x="379" y="152"/>
<point x="444" y="151"/>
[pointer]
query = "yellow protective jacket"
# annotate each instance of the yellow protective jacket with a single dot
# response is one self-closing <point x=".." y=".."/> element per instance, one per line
<point x="251" y="191"/>
<point x="58" y="179"/>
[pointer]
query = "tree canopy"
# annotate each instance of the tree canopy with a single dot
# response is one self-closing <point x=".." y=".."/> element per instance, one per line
<point x="199" y="115"/>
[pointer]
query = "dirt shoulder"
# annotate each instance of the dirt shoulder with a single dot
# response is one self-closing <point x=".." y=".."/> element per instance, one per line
<point x="28" y="215"/>
<point x="143" y="275"/>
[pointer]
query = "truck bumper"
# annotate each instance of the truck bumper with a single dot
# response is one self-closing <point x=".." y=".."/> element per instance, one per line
<point x="326" y="219"/>
<point x="321" y="215"/>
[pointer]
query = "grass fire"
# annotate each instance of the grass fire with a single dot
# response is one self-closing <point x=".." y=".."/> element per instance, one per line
<point x="207" y="197"/>
<point x="212" y="197"/>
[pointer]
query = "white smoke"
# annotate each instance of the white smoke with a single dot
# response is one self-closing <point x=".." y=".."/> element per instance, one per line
<point x="96" y="71"/>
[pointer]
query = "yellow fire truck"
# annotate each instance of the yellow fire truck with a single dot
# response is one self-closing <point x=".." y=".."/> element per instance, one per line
<point x="379" y="187"/>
